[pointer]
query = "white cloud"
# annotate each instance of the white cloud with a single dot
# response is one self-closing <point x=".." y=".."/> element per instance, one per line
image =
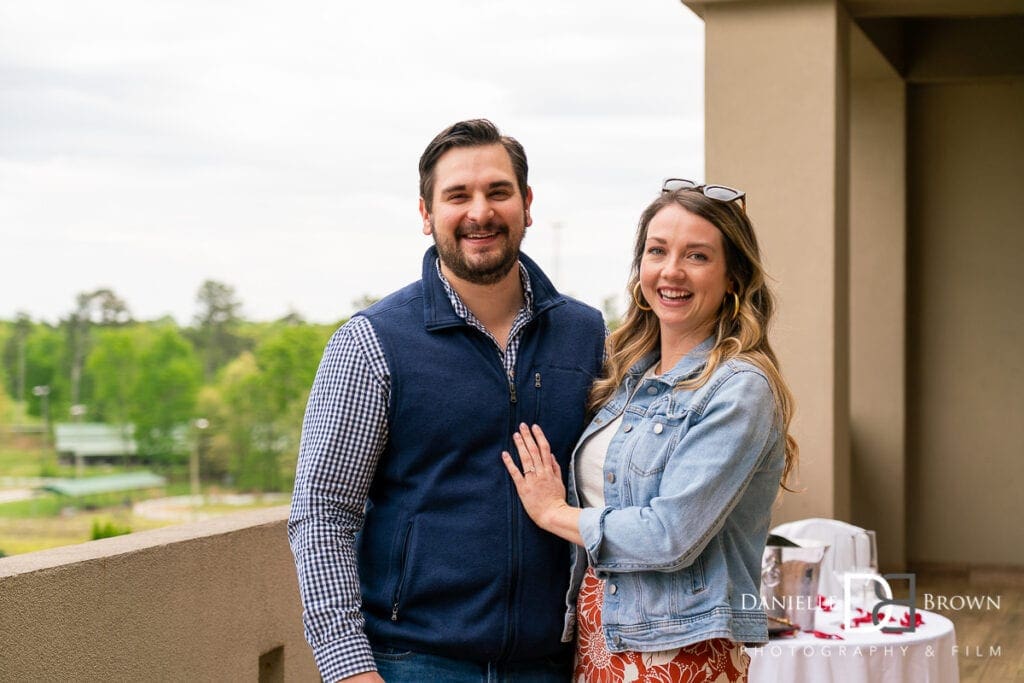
<point x="147" y="146"/>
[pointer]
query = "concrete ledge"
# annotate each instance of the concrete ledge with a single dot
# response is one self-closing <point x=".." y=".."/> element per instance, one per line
<point x="198" y="602"/>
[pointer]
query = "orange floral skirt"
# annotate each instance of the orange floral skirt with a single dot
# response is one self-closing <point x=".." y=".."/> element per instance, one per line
<point x="712" y="661"/>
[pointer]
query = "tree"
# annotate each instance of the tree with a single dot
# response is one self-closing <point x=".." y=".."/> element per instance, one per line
<point x="164" y="396"/>
<point x="14" y="358"/>
<point x="100" y="307"/>
<point x="263" y="394"/>
<point x="45" y="358"/>
<point x="108" y="309"/>
<point x="112" y="367"/>
<point x="216" y="334"/>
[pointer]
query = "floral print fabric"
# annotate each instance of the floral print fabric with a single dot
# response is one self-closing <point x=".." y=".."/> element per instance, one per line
<point x="712" y="661"/>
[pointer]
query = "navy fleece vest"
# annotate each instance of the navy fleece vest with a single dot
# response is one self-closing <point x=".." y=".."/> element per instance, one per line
<point x="449" y="562"/>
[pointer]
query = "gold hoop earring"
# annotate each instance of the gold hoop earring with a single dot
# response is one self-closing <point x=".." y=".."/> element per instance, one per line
<point x="636" y="298"/>
<point x="735" y="305"/>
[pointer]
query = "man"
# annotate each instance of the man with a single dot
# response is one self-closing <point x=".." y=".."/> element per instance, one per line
<point x="414" y="401"/>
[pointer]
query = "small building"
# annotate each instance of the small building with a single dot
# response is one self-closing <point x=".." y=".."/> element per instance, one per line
<point x="94" y="441"/>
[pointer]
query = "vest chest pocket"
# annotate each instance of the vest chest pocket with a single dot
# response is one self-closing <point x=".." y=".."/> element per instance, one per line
<point x="559" y="396"/>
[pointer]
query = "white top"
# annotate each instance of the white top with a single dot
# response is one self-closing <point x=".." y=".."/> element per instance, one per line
<point x="590" y="465"/>
<point x="590" y="459"/>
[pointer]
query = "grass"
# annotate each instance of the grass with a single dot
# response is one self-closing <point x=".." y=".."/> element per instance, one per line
<point x="48" y="520"/>
<point x="30" y="534"/>
<point x="49" y="505"/>
<point x="17" y="462"/>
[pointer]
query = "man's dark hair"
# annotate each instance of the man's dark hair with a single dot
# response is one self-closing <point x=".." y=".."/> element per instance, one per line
<point x="472" y="133"/>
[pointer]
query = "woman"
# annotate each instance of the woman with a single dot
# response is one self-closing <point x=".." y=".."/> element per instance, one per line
<point x="673" y="480"/>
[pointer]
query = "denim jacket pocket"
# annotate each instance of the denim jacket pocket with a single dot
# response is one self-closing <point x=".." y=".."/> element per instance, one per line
<point x="655" y="445"/>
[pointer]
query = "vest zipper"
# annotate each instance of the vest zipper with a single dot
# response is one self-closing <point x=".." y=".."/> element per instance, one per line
<point x="403" y="565"/>
<point x="537" y="407"/>
<point x="510" y="627"/>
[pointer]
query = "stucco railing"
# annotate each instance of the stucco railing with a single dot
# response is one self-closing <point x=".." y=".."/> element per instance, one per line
<point x="209" y="601"/>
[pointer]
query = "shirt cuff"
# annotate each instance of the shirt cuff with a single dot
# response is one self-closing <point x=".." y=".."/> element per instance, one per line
<point x="343" y="658"/>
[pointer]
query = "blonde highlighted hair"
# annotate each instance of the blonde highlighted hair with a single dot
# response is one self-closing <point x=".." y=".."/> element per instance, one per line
<point x="743" y="336"/>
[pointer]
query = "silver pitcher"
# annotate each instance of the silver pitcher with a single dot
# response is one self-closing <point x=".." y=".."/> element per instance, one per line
<point x="789" y="582"/>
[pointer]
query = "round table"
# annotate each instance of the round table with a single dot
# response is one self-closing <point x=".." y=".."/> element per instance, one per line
<point x="928" y="655"/>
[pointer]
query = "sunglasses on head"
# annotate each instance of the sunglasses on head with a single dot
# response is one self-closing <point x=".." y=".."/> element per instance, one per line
<point x="718" y="192"/>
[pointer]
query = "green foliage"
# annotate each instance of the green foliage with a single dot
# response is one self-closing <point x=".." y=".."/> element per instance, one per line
<point x="45" y="359"/>
<point x="259" y="401"/>
<point x="287" y="362"/>
<point x="113" y="367"/>
<point x="164" y="396"/>
<point x="40" y="506"/>
<point x="49" y="468"/>
<point x="5" y="409"/>
<point x="12" y="342"/>
<point x="216" y="326"/>
<point x="108" y="529"/>
<point x="150" y="375"/>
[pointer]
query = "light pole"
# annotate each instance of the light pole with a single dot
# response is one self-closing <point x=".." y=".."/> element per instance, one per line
<point x="78" y="412"/>
<point x="200" y="424"/>
<point x="43" y="392"/>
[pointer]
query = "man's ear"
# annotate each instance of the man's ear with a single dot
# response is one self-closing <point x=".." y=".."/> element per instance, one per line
<point x="427" y="229"/>
<point x="527" y="200"/>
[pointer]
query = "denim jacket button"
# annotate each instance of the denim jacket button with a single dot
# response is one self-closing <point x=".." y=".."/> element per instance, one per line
<point x="627" y="428"/>
<point x="612" y="588"/>
<point x="610" y="477"/>
<point x="659" y="428"/>
<point x="652" y="390"/>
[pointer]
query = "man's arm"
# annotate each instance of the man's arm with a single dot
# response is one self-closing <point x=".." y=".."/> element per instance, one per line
<point x="343" y="434"/>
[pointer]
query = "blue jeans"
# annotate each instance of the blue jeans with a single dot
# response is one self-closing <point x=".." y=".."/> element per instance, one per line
<point x="402" y="666"/>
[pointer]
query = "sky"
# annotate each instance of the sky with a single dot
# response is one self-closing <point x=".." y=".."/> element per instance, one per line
<point x="149" y="145"/>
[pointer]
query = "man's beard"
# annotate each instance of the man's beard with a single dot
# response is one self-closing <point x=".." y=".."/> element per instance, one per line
<point x="488" y="273"/>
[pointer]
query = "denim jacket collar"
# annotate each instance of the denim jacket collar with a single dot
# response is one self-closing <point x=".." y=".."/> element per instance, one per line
<point x="688" y="366"/>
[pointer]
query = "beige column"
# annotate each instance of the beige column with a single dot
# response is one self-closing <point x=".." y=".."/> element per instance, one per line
<point x="878" y="274"/>
<point x="776" y="125"/>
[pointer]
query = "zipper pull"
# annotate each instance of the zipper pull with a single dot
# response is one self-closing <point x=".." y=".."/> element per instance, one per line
<point x="536" y="380"/>
<point x="394" y="612"/>
<point x="512" y="391"/>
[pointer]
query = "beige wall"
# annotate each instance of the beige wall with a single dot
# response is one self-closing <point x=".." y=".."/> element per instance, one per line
<point x="776" y="126"/>
<point x="965" y="372"/>
<point x="199" y="602"/>
<point x="878" y="299"/>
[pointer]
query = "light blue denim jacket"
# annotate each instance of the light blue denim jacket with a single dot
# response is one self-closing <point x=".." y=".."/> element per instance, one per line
<point x="689" y="481"/>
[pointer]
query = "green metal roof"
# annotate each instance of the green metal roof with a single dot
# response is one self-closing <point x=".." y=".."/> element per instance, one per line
<point x="110" y="483"/>
<point x="93" y="438"/>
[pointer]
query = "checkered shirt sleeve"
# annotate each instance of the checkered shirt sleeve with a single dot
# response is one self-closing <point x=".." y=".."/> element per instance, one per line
<point x="343" y="435"/>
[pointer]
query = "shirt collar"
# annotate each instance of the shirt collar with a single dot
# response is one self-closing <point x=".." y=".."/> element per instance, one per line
<point x="438" y="312"/>
<point x="460" y="308"/>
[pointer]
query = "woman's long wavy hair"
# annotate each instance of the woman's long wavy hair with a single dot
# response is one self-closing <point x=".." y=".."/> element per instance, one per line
<point x="744" y="336"/>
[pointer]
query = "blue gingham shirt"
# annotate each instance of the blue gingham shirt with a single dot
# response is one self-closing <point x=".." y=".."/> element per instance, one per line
<point x="343" y="434"/>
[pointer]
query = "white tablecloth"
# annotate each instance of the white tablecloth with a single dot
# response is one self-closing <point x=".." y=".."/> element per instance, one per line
<point x="926" y="656"/>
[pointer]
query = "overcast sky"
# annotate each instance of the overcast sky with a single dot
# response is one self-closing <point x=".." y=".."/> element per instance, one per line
<point x="147" y="145"/>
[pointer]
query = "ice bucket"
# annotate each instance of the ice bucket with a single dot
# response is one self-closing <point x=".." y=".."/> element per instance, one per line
<point x="789" y="582"/>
